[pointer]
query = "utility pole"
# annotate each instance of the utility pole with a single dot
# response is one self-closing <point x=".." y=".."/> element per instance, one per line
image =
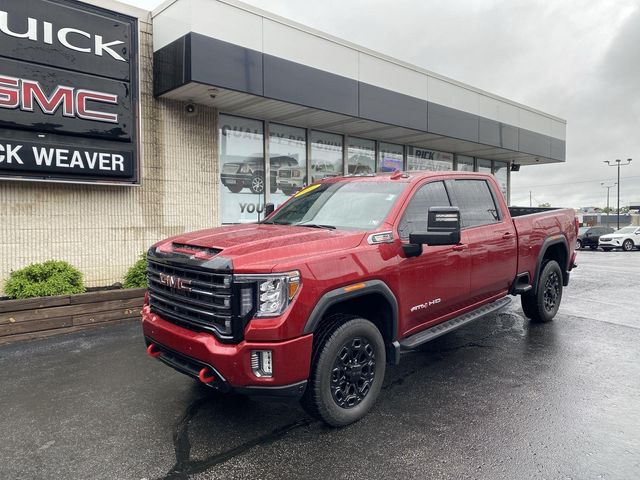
<point x="618" y="163"/>
<point x="530" y="198"/>
<point x="608" y="187"/>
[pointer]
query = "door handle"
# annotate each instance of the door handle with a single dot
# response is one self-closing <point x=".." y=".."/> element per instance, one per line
<point x="460" y="247"/>
<point x="507" y="235"/>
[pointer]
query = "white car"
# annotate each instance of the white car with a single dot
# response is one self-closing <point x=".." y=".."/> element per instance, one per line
<point x="627" y="238"/>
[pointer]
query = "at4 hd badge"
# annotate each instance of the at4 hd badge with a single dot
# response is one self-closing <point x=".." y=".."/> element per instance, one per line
<point x="425" y="305"/>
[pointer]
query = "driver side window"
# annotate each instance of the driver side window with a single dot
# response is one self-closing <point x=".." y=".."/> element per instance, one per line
<point x="414" y="219"/>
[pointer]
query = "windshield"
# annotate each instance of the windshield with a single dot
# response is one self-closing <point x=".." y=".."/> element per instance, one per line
<point x="627" y="230"/>
<point x="347" y="205"/>
<point x="582" y="230"/>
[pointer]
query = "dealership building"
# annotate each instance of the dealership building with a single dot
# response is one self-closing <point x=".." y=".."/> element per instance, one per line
<point x="120" y="127"/>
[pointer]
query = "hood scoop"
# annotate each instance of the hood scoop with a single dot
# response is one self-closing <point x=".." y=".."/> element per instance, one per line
<point x="194" y="249"/>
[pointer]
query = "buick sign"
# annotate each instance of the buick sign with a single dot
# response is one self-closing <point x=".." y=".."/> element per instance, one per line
<point x="68" y="92"/>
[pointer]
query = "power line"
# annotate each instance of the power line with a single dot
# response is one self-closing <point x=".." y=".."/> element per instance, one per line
<point x="570" y="182"/>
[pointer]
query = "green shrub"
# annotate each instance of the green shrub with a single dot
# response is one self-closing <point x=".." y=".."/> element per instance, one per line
<point x="52" y="277"/>
<point x="136" y="276"/>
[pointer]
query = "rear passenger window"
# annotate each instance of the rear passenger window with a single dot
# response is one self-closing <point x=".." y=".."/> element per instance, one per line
<point x="476" y="203"/>
<point x="414" y="218"/>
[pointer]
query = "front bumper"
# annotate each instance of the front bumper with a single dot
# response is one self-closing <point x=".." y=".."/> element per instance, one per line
<point x="235" y="179"/>
<point x="613" y="243"/>
<point x="189" y="351"/>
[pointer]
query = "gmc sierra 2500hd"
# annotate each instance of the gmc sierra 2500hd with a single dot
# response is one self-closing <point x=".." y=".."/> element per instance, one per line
<point x="316" y="299"/>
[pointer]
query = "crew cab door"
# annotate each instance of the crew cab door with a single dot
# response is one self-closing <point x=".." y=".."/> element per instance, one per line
<point x="436" y="282"/>
<point x="489" y="234"/>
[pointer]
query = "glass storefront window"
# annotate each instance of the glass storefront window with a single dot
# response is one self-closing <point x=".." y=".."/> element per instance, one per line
<point x="390" y="157"/>
<point x="501" y="172"/>
<point x="484" y="166"/>
<point x="464" y="163"/>
<point x="361" y="156"/>
<point x="326" y="155"/>
<point x="422" y="159"/>
<point x="241" y="151"/>
<point x="287" y="161"/>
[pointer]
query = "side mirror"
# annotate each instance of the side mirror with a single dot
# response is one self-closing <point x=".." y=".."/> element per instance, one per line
<point x="269" y="209"/>
<point x="443" y="227"/>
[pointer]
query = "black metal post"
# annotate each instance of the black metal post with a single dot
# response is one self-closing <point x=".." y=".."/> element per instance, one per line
<point x="618" y="217"/>
<point x="618" y="163"/>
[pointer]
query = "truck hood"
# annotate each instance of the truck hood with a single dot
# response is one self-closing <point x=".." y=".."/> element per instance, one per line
<point x="261" y="247"/>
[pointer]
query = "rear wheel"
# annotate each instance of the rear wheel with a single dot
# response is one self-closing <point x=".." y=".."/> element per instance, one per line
<point x="627" y="245"/>
<point x="543" y="305"/>
<point x="578" y="244"/>
<point x="347" y="371"/>
<point x="234" y="188"/>
<point x="606" y="249"/>
<point x="593" y="247"/>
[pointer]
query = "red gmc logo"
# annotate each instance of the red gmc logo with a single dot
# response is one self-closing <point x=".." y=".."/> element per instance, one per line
<point x="174" y="282"/>
<point x="24" y="94"/>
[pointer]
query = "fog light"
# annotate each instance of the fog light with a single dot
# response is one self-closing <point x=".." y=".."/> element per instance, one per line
<point x="262" y="363"/>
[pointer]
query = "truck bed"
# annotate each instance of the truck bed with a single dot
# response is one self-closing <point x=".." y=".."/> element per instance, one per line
<point x="534" y="225"/>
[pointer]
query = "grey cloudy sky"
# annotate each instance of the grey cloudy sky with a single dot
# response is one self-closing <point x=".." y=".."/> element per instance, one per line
<point x="574" y="59"/>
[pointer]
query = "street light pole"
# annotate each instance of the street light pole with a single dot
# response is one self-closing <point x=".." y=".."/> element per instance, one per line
<point x="608" y="187"/>
<point x="618" y="163"/>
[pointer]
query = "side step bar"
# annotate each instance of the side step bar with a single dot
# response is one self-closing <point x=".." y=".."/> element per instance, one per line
<point x="434" y="332"/>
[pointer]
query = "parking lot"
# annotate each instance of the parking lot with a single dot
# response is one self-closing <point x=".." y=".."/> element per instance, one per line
<point x="501" y="398"/>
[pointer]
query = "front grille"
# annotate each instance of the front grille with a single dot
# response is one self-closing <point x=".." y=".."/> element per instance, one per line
<point x="191" y="297"/>
<point x="284" y="173"/>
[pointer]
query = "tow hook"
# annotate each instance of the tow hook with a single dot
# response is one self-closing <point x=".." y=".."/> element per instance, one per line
<point x="202" y="375"/>
<point x="152" y="352"/>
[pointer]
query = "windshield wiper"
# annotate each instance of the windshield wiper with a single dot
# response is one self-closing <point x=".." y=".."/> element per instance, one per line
<point x="315" y="225"/>
<point x="271" y="222"/>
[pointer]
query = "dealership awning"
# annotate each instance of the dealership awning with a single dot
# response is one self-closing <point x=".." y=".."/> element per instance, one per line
<point x="248" y="62"/>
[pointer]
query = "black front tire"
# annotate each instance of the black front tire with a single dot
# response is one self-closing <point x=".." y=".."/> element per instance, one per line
<point x="606" y="249"/>
<point x="289" y="191"/>
<point x="627" y="245"/>
<point x="593" y="247"/>
<point x="578" y="244"/>
<point x="543" y="304"/>
<point x="347" y="371"/>
<point x="234" y="188"/>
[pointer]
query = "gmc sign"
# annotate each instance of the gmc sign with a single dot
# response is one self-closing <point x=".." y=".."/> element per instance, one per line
<point x="24" y="94"/>
<point x="68" y="92"/>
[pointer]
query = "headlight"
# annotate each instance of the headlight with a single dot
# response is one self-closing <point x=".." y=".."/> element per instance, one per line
<point x="273" y="292"/>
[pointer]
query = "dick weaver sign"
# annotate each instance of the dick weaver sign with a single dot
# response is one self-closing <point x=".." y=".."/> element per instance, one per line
<point x="68" y="92"/>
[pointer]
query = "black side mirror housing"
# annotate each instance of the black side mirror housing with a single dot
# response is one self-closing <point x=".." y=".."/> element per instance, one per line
<point x="443" y="228"/>
<point x="269" y="208"/>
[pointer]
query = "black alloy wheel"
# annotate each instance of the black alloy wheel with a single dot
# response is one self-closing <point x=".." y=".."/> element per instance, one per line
<point x="543" y="304"/>
<point x="551" y="291"/>
<point x="353" y="372"/>
<point x="347" y="370"/>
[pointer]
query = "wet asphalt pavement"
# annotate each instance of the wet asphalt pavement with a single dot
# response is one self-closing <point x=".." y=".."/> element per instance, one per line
<point x="498" y="399"/>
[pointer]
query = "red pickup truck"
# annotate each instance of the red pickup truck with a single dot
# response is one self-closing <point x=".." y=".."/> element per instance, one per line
<point x="316" y="299"/>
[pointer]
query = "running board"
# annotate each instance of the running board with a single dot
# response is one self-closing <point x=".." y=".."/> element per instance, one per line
<point x="434" y="332"/>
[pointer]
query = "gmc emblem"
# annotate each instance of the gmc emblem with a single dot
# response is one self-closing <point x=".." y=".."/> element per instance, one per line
<point x="24" y="94"/>
<point x="175" y="283"/>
